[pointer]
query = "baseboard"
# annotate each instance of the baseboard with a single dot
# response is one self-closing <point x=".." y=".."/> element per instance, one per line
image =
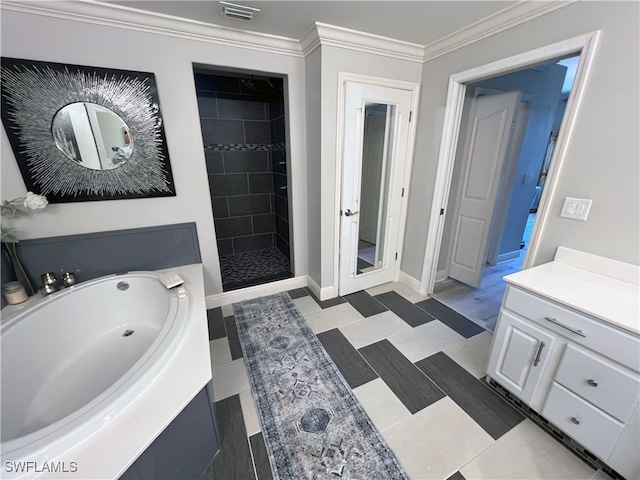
<point x="322" y="293"/>
<point x="441" y="276"/>
<point x="227" y="298"/>
<point x="505" y="257"/>
<point x="410" y="282"/>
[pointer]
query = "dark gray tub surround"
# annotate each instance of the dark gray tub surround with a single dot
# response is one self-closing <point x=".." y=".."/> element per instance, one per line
<point x="93" y="255"/>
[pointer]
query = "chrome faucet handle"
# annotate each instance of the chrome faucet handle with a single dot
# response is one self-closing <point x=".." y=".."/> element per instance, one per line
<point x="49" y="278"/>
<point x="68" y="279"/>
<point x="49" y="288"/>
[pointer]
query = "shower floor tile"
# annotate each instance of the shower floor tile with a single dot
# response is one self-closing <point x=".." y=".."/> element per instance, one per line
<point x="253" y="268"/>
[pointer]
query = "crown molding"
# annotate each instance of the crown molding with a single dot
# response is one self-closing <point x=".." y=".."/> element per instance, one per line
<point x="500" y="21"/>
<point x="106" y="14"/>
<point x="98" y="13"/>
<point x="333" y="36"/>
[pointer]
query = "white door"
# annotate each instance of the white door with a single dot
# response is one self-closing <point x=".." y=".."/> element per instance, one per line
<point x="369" y="261"/>
<point x="486" y="146"/>
<point x="522" y="355"/>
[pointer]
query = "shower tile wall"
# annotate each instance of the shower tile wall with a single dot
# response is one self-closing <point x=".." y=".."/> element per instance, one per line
<point x="280" y="184"/>
<point x="237" y="132"/>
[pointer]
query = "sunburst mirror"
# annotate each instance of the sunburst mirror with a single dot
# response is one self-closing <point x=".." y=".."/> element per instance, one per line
<point x="85" y="133"/>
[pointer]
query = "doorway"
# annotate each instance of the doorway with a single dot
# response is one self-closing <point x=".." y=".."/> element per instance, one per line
<point x="505" y="151"/>
<point x="243" y="122"/>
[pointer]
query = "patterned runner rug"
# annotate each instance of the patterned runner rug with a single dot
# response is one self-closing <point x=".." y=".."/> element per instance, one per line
<point x="313" y="426"/>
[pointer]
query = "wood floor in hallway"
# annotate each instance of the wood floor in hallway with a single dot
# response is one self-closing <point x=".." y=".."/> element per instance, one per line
<point x="482" y="304"/>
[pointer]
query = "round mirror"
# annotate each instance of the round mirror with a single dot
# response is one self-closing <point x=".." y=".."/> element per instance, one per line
<point x="92" y="136"/>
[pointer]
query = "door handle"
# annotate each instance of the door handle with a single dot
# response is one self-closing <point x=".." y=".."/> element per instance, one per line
<point x="537" y="360"/>
<point x="348" y="213"/>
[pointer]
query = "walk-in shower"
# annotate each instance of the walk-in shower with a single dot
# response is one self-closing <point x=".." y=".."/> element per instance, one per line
<point x="242" y="117"/>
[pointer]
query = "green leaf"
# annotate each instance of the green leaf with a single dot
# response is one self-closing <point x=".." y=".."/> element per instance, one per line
<point x="8" y="235"/>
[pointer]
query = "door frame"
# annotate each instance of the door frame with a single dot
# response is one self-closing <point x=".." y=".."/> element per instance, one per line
<point x="584" y="45"/>
<point x="414" y="88"/>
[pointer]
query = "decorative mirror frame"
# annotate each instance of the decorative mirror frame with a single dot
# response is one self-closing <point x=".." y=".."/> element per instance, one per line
<point x="33" y="92"/>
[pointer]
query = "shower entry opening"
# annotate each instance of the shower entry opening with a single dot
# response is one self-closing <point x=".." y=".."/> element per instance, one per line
<point x="243" y="122"/>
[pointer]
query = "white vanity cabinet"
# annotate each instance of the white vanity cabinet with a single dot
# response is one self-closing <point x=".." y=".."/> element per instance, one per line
<point x="567" y="343"/>
<point x="520" y="355"/>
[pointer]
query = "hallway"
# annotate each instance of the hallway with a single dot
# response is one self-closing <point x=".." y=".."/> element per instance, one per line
<point x="481" y="305"/>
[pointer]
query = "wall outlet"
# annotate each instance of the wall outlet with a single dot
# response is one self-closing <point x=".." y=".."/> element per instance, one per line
<point x="576" y="208"/>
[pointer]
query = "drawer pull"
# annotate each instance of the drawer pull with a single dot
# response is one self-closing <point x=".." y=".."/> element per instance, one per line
<point x="575" y="420"/>
<point x="555" y="320"/>
<point x="592" y="382"/>
<point x="537" y="360"/>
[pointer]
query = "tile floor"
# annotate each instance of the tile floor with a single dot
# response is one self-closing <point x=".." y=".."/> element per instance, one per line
<point x="418" y="375"/>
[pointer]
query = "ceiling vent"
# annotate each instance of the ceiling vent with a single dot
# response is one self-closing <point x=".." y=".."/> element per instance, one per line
<point x="242" y="12"/>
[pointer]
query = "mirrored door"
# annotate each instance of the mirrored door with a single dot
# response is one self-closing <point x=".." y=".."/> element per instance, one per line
<point x="375" y="146"/>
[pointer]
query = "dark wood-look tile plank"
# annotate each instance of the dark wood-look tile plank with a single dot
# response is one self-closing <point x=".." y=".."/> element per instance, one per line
<point x="332" y="302"/>
<point x="260" y="457"/>
<point x="450" y="318"/>
<point x="353" y="367"/>
<point x="216" y="324"/>
<point x="233" y="461"/>
<point x="298" y="292"/>
<point x="403" y="308"/>
<point x="362" y="264"/>
<point x="456" y="476"/>
<point x="488" y="410"/>
<point x="365" y="303"/>
<point x="232" y="336"/>
<point x="409" y="384"/>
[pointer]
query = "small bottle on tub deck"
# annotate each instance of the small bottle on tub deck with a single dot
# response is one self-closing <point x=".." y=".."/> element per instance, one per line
<point x="14" y="293"/>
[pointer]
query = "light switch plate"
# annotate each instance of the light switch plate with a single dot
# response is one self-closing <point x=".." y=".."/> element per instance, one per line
<point x="576" y="208"/>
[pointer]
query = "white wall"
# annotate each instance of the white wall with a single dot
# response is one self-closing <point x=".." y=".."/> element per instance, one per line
<point x="602" y="157"/>
<point x="170" y="59"/>
<point x="335" y="60"/>
<point x="314" y="166"/>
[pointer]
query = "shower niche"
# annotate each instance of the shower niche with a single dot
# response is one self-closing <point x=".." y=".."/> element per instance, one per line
<point x="242" y="117"/>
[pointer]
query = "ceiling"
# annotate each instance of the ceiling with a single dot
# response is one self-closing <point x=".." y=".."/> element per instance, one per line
<point x="417" y="21"/>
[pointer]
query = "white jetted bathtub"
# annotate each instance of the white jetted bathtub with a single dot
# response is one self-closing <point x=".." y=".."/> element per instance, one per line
<point x="77" y="363"/>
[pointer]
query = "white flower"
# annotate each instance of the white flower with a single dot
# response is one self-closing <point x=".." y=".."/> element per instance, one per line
<point x="34" y="201"/>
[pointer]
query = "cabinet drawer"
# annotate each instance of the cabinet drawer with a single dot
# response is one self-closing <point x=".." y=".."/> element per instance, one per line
<point x="606" y="385"/>
<point x="598" y="336"/>
<point x="589" y="426"/>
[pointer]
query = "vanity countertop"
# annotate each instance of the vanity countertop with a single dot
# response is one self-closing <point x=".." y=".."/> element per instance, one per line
<point x="601" y="296"/>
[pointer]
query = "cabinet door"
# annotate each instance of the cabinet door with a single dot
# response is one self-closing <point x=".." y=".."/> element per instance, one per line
<point x="519" y="355"/>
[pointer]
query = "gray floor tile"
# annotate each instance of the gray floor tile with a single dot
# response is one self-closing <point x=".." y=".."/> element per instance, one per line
<point x="297" y="293"/>
<point x="232" y="336"/>
<point x="216" y="324"/>
<point x="233" y="461"/>
<point x="332" y="302"/>
<point x="456" y="476"/>
<point x="450" y="318"/>
<point x="409" y="384"/>
<point x="488" y="410"/>
<point x="260" y="457"/>
<point x="365" y="303"/>
<point x="353" y="367"/>
<point x="402" y="307"/>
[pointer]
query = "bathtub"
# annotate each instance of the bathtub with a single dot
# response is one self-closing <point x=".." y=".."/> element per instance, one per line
<point x="76" y="363"/>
